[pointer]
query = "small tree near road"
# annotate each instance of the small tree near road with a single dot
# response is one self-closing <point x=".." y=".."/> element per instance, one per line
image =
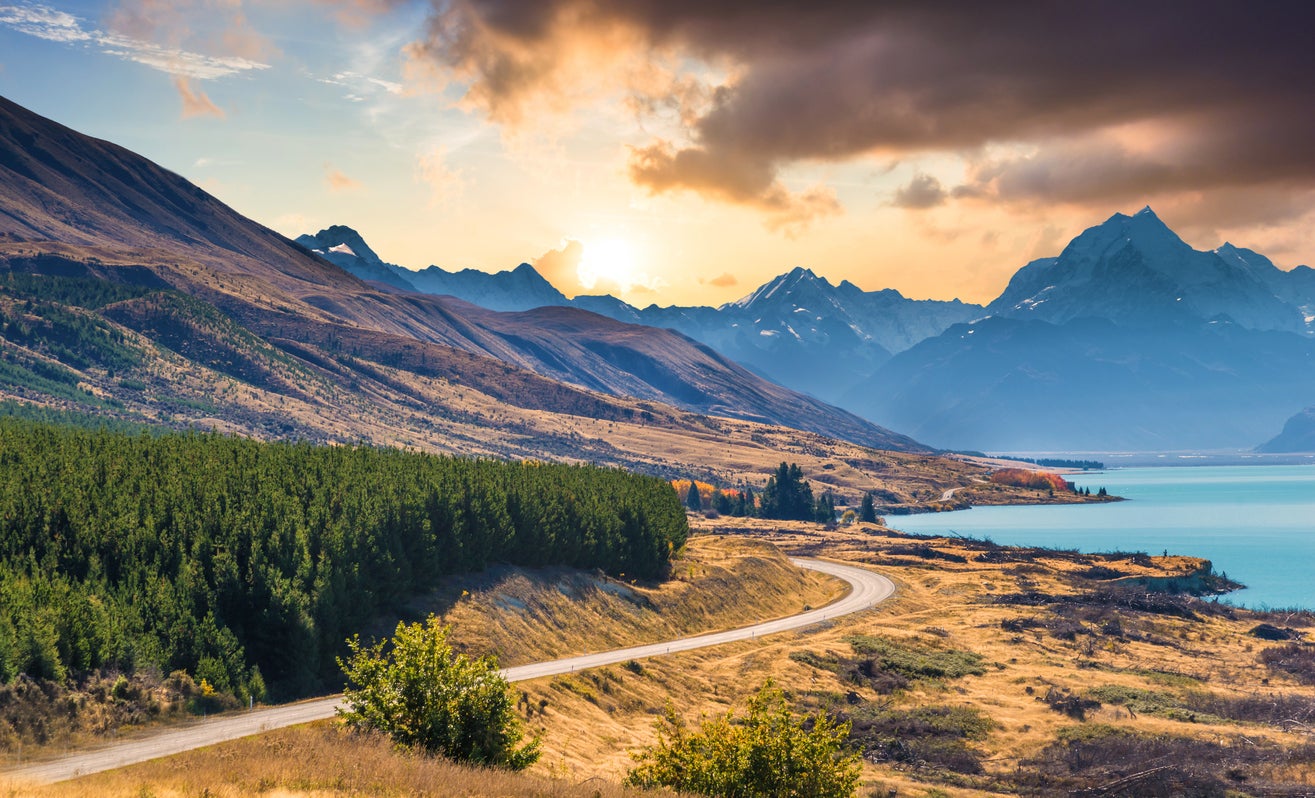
<point x="768" y="753"/>
<point x="422" y="694"/>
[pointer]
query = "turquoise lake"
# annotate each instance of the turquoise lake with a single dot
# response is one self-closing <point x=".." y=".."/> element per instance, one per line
<point x="1255" y="523"/>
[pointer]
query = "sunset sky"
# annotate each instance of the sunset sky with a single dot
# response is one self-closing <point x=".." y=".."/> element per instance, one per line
<point x="684" y="151"/>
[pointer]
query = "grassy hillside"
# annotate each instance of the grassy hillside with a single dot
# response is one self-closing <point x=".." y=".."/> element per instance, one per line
<point x="107" y="340"/>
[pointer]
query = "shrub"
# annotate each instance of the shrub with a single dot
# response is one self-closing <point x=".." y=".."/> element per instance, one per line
<point x="1296" y="660"/>
<point x="769" y="752"/>
<point x="935" y="736"/>
<point x="420" y="693"/>
<point x="915" y="661"/>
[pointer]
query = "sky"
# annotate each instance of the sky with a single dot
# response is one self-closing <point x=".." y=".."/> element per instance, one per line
<point x="686" y="151"/>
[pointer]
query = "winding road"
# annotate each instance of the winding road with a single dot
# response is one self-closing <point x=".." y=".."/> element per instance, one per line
<point x="866" y="590"/>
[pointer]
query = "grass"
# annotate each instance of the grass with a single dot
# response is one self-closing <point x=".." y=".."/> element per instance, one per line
<point x="314" y="761"/>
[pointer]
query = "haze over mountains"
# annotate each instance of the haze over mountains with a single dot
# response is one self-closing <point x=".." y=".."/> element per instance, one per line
<point x="1129" y="339"/>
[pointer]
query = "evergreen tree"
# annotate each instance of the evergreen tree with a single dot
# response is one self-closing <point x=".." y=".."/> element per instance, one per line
<point x="787" y="496"/>
<point x="723" y="503"/>
<point x="824" y="512"/>
<point x="692" y="499"/>
<point x="867" y="511"/>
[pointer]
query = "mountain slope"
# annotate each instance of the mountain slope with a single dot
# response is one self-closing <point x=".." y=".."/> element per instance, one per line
<point x="75" y="206"/>
<point x="63" y="186"/>
<point x="1298" y="435"/>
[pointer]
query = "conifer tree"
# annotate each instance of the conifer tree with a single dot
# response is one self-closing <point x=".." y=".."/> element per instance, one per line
<point x="867" y="511"/>
<point x="692" y="499"/>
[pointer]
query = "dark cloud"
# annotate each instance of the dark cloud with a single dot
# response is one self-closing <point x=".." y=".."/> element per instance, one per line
<point x="923" y="191"/>
<point x="1220" y="93"/>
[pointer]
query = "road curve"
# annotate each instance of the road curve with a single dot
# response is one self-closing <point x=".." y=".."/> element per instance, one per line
<point x="866" y="590"/>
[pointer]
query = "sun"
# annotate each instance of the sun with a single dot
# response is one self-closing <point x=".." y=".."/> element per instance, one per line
<point x="608" y="264"/>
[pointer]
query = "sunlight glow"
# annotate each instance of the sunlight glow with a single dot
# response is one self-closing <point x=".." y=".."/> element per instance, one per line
<point x="609" y="264"/>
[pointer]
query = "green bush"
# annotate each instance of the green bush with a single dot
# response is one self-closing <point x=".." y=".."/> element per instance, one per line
<point x="917" y="661"/>
<point x="419" y="692"/>
<point x="768" y="753"/>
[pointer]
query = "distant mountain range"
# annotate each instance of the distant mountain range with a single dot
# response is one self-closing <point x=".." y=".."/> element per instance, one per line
<point x="128" y="293"/>
<point x="1128" y="339"/>
<point x="798" y="330"/>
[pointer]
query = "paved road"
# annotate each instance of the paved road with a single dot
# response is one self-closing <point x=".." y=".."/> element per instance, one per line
<point x="867" y="589"/>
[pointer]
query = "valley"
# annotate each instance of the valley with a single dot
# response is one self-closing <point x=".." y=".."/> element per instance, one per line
<point x="1015" y="662"/>
<point x="299" y="497"/>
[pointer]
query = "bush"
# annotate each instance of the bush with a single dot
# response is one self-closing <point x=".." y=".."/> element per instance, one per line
<point x="420" y="693"/>
<point x="935" y="736"/>
<point x="769" y="752"/>
<point x="915" y="661"/>
<point x="1295" y="660"/>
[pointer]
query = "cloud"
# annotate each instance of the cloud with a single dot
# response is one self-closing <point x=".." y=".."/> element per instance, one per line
<point x="45" y="23"/>
<point x="445" y="184"/>
<point x="922" y="192"/>
<point x="357" y="14"/>
<point x="561" y="267"/>
<point x="195" y="101"/>
<point x="839" y="80"/>
<point x="662" y="168"/>
<point x="724" y="280"/>
<point x="337" y="181"/>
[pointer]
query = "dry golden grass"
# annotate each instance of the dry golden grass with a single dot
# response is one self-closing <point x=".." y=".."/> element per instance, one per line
<point x="595" y="719"/>
<point x="530" y="616"/>
<point x="314" y="761"/>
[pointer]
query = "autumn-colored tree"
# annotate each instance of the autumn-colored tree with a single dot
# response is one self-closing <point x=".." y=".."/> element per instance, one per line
<point x="1025" y="478"/>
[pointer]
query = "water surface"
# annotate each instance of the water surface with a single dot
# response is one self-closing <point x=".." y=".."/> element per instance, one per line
<point x="1255" y="523"/>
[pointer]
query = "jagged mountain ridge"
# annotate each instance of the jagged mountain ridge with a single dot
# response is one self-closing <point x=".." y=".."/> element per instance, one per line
<point x="70" y="202"/>
<point x="787" y="330"/>
<point x="1128" y="340"/>
<point x="1135" y="271"/>
<point x="522" y="288"/>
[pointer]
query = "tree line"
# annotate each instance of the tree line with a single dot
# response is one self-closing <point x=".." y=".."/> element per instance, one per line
<point x="787" y="496"/>
<point x="248" y="564"/>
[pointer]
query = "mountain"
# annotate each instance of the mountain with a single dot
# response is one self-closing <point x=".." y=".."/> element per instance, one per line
<point x="1135" y="271"/>
<point x="344" y="248"/>
<point x="206" y="318"/>
<point x="1298" y="435"/>
<point x="1128" y="340"/>
<point x="522" y="288"/>
<point x="801" y="331"/>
